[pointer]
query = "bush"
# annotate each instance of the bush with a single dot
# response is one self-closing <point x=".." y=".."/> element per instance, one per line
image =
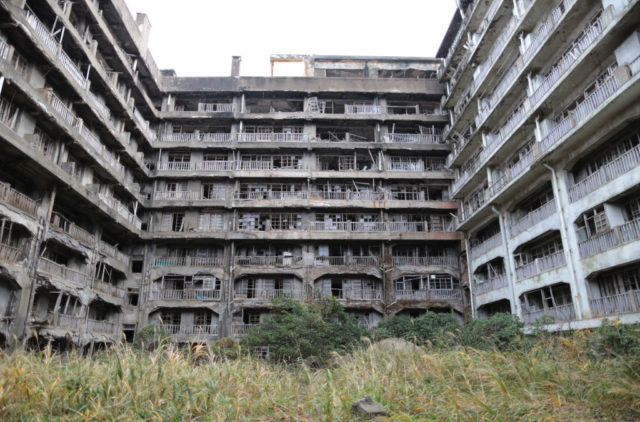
<point x="151" y="337"/>
<point x="499" y="331"/>
<point x="614" y="339"/>
<point x="296" y="331"/>
<point x="438" y="329"/>
<point x="226" y="348"/>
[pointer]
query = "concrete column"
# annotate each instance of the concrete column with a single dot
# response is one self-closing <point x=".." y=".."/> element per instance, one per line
<point x="509" y="264"/>
<point x="570" y="244"/>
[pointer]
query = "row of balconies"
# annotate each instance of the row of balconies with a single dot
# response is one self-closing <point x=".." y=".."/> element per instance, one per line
<point x="229" y="138"/>
<point x="583" y="42"/>
<point x="76" y="323"/>
<point x="77" y="277"/>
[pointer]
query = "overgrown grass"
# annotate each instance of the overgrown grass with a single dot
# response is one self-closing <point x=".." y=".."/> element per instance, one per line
<point x="554" y="380"/>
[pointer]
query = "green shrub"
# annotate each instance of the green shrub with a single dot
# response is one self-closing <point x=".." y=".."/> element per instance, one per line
<point x="226" y="348"/>
<point x="500" y="331"/>
<point x="613" y="339"/>
<point x="151" y="337"/>
<point x="295" y="331"/>
<point x="438" y="329"/>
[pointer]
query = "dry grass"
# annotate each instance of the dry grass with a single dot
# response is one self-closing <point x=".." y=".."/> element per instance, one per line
<point x="124" y="384"/>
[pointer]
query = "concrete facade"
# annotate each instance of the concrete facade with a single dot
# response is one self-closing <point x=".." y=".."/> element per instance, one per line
<point x="130" y="196"/>
<point x="545" y="128"/>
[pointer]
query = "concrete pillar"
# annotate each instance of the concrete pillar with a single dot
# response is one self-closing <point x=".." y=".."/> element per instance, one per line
<point x="235" y="65"/>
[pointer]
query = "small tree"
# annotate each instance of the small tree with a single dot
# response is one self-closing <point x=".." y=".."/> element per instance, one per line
<point x="296" y="330"/>
<point x="438" y="329"/>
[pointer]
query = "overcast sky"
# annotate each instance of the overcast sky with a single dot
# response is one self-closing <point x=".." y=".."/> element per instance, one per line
<point x="198" y="37"/>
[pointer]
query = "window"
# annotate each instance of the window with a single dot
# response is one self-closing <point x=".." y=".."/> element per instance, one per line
<point x="132" y="296"/>
<point x="202" y="318"/>
<point x="213" y="191"/>
<point x="136" y="266"/>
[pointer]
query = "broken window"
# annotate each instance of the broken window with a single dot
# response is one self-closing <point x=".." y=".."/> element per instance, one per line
<point x="211" y="221"/>
<point x="592" y="223"/>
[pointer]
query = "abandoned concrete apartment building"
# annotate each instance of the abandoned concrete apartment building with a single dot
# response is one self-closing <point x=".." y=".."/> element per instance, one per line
<point x="501" y="176"/>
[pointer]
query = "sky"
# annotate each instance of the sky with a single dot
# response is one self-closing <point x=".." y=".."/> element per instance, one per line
<point x="198" y="37"/>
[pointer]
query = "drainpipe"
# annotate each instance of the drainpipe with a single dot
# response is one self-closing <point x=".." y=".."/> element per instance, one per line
<point x="565" y="241"/>
<point x="510" y="271"/>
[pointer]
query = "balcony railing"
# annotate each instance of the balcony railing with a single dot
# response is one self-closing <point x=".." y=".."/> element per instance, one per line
<point x="241" y="330"/>
<point x="176" y="195"/>
<point x="191" y="330"/>
<point x="189" y="261"/>
<point x="104" y="327"/>
<point x="562" y="313"/>
<point x="429" y="294"/>
<point x="348" y="260"/>
<point x="610" y="239"/>
<point x="204" y="137"/>
<point x="362" y="109"/>
<point x="71" y="322"/>
<point x="64" y="273"/>
<point x="270" y="195"/>
<point x="622" y="164"/>
<point x="624" y="303"/>
<point x="113" y="252"/>
<point x="108" y="288"/>
<point x="272" y="137"/>
<point x="590" y="103"/>
<point x="61" y="223"/>
<point x="268" y="260"/>
<point x="541" y="265"/>
<point x="490" y="243"/>
<point x="216" y="107"/>
<point x="534" y="217"/>
<point x="490" y="284"/>
<point x="443" y="261"/>
<point x="185" y="294"/>
<point x="120" y="208"/>
<point x="18" y="200"/>
<point x="413" y="138"/>
<point x="348" y="226"/>
<point x="267" y="294"/>
<point x="9" y="254"/>
<point x="348" y="195"/>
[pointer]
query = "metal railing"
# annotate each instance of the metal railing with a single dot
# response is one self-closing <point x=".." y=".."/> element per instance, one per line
<point x="272" y="137"/>
<point x="562" y="313"/>
<point x="267" y="294"/>
<point x="204" y="137"/>
<point x="620" y="165"/>
<point x="181" y="195"/>
<point x="18" y="200"/>
<point x="241" y="330"/>
<point x="63" y="224"/>
<point x="447" y="260"/>
<point x="185" y="294"/>
<point x="268" y="260"/>
<point x="60" y="271"/>
<point x="541" y="265"/>
<point x="610" y="239"/>
<point x="532" y="218"/>
<point x="191" y="330"/>
<point x="216" y="107"/>
<point x="270" y="195"/>
<point x="348" y="196"/>
<point x="362" y="109"/>
<point x="348" y="260"/>
<point x="348" y="226"/>
<point x="414" y="138"/>
<point x="189" y="261"/>
<point x="428" y="294"/>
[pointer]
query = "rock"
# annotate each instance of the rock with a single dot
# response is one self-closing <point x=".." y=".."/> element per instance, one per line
<point x="396" y="344"/>
<point x="367" y="408"/>
<point x="312" y="362"/>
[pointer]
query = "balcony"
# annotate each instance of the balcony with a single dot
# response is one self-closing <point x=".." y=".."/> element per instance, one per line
<point x="113" y="252"/>
<point x="197" y="136"/>
<point x="429" y="294"/>
<point x="70" y="322"/>
<point x="271" y="195"/>
<point x="558" y="314"/>
<point x="413" y="138"/>
<point x="189" y="261"/>
<point x="610" y="239"/>
<point x="491" y="284"/>
<point x="484" y="247"/>
<point x="179" y="196"/>
<point x="185" y="294"/>
<point x="541" y="265"/>
<point x="216" y="107"/>
<point x="621" y="165"/>
<point x="273" y="137"/>
<point x="263" y="261"/>
<point x="62" y="224"/>
<point x="9" y="254"/>
<point x="624" y="303"/>
<point x="362" y="109"/>
<point x="426" y="261"/>
<point x="121" y="209"/>
<point x="532" y="218"/>
<point x="348" y="226"/>
<point x="16" y="199"/>
<point x="348" y="260"/>
<point x="347" y="196"/>
<point x="102" y="327"/>
<point x="241" y="330"/>
<point x="187" y="332"/>
<point x="62" y="272"/>
<point x="267" y="294"/>
<point x="110" y="289"/>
